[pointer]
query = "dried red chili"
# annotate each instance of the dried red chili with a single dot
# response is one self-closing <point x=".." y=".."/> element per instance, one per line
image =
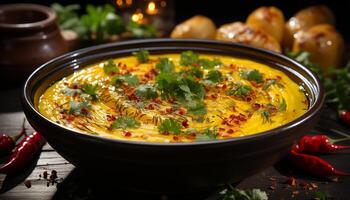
<point x="23" y="153"/>
<point x="7" y="143"/>
<point x="313" y="164"/>
<point x="319" y="144"/>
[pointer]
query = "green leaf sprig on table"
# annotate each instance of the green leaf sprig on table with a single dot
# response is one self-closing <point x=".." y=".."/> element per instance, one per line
<point x="336" y="81"/>
<point x="99" y="23"/>
<point x="231" y="193"/>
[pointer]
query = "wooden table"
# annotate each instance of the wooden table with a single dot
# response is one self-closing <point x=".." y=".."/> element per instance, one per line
<point x="75" y="184"/>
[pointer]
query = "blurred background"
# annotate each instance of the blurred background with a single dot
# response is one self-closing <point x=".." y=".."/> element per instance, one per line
<point x="223" y="11"/>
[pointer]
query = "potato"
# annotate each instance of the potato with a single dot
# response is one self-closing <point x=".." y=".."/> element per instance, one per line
<point x="323" y="42"/>
<point x="199" y="26"/>
<point x="268" y="19"/>
<point x="305" y="19"/>
<point x="239" y="32"/>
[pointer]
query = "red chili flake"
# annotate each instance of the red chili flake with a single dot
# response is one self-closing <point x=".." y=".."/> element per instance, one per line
<point x="182" y="111"/>
<point x="157" y="100"/>
<point x="256" y="106"/>
<point x="53" y="175"/>
<point x="224" y="86"/>
<point x="169" y="110"/>
<point x="110" y="117"/>
<point x="278" y="77"/>
<point x="165" y="133"/>
<point x="291" y="181"/>
<point x="28" y="183"/>
<point x="133" y="97"/>
<point x="185" y="124"/>
<point x="127" y="133"/>
<point x="150" y="107"/>
<point x="84" y="111"/>
<point x="248" y="98"/>
<point x="221" y="129"/>
<point x="176" y="138"/>
<point x="214" y="96"/>
<point x="230" y="131"/>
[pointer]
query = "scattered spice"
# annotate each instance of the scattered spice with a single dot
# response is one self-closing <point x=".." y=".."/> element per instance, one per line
<point x="28" y="183"/>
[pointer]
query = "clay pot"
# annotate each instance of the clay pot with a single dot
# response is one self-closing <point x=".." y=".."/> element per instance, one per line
<point x="29" y="36"/>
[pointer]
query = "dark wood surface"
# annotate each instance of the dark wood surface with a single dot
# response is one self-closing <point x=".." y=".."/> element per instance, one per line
<point x="72" y="183"/>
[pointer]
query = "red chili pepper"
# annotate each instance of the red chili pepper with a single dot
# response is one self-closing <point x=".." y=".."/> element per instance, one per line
<point x="319" y="144"/>
<point x="344" y="116"/>
<point x="23" y="153"/>
<point x="7" y="143"/>
<point x="313" y="164"/>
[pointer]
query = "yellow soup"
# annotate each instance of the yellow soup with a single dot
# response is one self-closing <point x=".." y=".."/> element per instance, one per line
<point x="174" y="98"/>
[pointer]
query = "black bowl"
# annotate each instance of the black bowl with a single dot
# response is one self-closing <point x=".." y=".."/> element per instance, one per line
<point x="174" y="167"/>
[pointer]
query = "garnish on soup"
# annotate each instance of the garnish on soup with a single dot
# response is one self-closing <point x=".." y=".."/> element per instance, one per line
<point x="174" y="98"/>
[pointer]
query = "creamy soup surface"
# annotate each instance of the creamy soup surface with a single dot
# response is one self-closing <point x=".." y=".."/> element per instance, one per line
<point x="181" y="97"/>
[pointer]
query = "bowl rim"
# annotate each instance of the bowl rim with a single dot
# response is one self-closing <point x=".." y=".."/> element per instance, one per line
<point x="311" y="112"/>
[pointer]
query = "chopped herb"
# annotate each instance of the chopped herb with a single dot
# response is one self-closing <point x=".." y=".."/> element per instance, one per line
<point x="142" y="55"/>
<point x="214" y="76"/>
<point x="240" y="90"/>
<point x="321" y="195"/>
<point x="124" y="122"/>
<point x="196" y="108"/>
<point x="146" y="92"/>
<point x="207" y="134"/>
<point x="79" y="108"/>
<point x="271" y="82"/>
<point x="193" y="71"/>
<point x="266" y="116"/>
<point x="189" y="58"/>
<point x="283" y="105"/>
<point x="170" y="126"/>
<point x="110" y="67"/>
<point x="252" y="75"/>
<point x="180" y="88"/>
<point x="128" y="79"/>
<point x="91" y="90"/>
<point x="232" y="193"/>
<point x="209" y="64"/>
<point x="165" y="65"/>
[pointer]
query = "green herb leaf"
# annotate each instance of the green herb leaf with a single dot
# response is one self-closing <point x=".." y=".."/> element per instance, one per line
<point x="165" y="65"/>
<point x="266" y="116"/>
<point x="170" y="126"/>
<point x="240" y="90"/>
<point x="232" y="193"/>
<point x="142" y="55"/>
<point x="80" y="108"/>
<point x="207" y="134"/>
<point x="127" y="79"/>
<point x="283" y="105"/>
<point x="214" y="76"/>
<point x="319" y="195"/>
<point x="90" y="90"/>
<point x="209" y="64"/>
<point x="196" y="108"/>
<point x="193" y="71"/>
<point x="189" y="58"/>
<point x="146" y="92"/>
<point x="124" y="122"/>
<point x="110" y="67"/>
<point x="271" y="82"/>
<point x="252" y="75"/>
<point x="139" y="30"/>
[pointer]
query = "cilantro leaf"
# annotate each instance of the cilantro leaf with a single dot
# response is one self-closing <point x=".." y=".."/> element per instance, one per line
<point x="170" y="126"/>
<point x="127" y="79"/>
<point x="193" y="71"/>
<point x="124" y="122"/>
<point x="165" y="65"/>
<point x="189" y="58"/>
<point x="79" y="108"/>
<point x="283" y="105"/>
<point x="252" y="75"/>
<point x="207" y="134"/>
<point x="321" y="195"/>
<point x="142" y="55"/>
<point x="214" y="76"/>
<point x="146" y="92"/>
<point x="209" y="64"/>
<point x="196" y="108"/>
<point x="240" y="90"/>
<point x="90" y="90"/>
<point x="266" y="116"/>
<point x="271" y="82"/>
<point x="110" y="67"/>
<point x="232" y="193"/>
